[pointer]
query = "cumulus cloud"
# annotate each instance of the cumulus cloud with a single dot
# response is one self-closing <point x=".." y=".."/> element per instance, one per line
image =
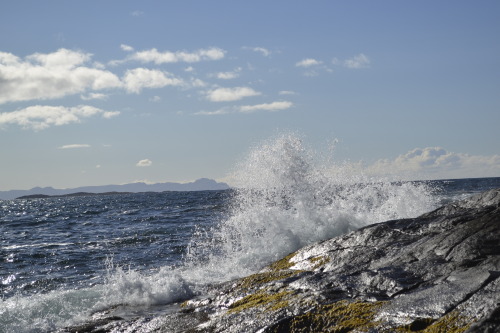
<point x="74" y="146"/>
<point x="312" y="67"/>
<point x="197" y="83"/>
<point x="51" y="75"/>
<point x="126" y="48"/>
<point x="230" y="94"/>
<point x="265" y="52"/>
<point x="157" y="57"/>
<point x="438" y="163"/>
<point x="144" y="163"/>
<point x="358" y="61"/>
<point x="287" y="92"/>
<point x="110" y="114"/>
<point x="65" y="72"/>
<point x="228" y="75"/>
<point x="274" y="106"/>
<point x="91" y="96"/>
<point x="39" y="117"/>
<point x="308" y="62"/>
<point x="137" y="79"/>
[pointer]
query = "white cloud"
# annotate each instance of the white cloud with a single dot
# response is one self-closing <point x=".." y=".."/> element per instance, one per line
<point x="144" y="163"/>
<point x="213" y="113"/>
<point x="137" y="79"/>
<point x="197" y="83"/>
<point x="155" y="99"/>
<point x="110" y="114"/>
<point x="265" y="52"/>
<point x="358" y="61"/>
<point x="189" y="69"/>
<point x="51" y="75"/>
<point x="437" y="163"/>
<point x="40" y="117"/>
<point x="286" y="92"/>
<point x="274" y="106"/>
<point x="74" y="146"/>
<point x="91" y="96"/>
<point x="137" y="13"/>
<point x="230" y="94"/>
<point x="153" y="55"/>
<point x="312" y="67"/>
<point x="126" y="48"/>
<point x="66" y="72"/>
<point x="270" y="107"/>
<point x="308" y="63"/>
<point x="228" y="75"/>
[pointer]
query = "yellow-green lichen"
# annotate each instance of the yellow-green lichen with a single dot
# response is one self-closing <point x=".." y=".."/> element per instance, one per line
<point x="283" y="263"/>
<point x="258" y="279"/>
<point x="278" y="270"/>
<point x="452" y="322"/>
<point x="319" y="261"/>
<point x="342" y="316"/>
<point x="269" y="301"/>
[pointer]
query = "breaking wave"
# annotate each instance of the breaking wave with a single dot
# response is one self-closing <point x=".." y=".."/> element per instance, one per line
<point x="285" y="199"/>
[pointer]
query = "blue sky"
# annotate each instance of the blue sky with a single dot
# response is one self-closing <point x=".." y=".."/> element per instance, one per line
<point x="111" y="92"/>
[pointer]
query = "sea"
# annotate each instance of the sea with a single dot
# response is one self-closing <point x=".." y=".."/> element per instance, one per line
<point x="63" y="259"/>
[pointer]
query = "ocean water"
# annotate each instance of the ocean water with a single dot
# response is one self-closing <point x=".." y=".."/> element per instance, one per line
<point x="62" y="259"/>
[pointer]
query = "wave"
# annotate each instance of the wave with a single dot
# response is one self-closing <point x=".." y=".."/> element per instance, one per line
<point x="285" y="200"/>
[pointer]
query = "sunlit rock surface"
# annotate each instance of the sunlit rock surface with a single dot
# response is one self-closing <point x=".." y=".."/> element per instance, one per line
<point x="439" y="272"/>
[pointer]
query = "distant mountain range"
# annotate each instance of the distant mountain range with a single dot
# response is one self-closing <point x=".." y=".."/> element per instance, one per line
<point x="203" y="184"/>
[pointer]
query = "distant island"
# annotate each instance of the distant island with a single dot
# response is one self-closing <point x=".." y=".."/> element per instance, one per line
<point x="202" y="184"/>
<point x="77" y="194"/>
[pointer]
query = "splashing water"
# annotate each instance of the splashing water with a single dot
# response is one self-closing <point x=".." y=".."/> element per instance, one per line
<point x="285" y="201"/>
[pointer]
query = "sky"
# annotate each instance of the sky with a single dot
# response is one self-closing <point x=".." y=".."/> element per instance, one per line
<point x="113" y="92"/>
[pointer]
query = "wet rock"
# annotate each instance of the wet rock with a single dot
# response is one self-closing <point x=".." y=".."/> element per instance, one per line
<point x="439" y="272"/>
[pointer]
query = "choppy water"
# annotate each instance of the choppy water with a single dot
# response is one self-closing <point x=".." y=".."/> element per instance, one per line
<point x="63" y="258"/>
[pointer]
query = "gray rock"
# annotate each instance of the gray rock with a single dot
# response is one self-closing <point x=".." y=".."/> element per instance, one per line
<point x="435" y="273"/>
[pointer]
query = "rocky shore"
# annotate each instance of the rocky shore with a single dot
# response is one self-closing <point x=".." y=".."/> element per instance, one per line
<point x="439" y="272"/>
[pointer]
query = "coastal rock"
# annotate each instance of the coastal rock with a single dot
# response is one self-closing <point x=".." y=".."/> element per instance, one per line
<point x="439" y="272"/>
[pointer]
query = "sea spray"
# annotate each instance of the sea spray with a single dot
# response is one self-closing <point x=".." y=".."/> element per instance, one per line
<point x="132" y="288"/>
<point x="46" y="312"/>
<point x="60" y="308"/>
<point x="285" y="200"/>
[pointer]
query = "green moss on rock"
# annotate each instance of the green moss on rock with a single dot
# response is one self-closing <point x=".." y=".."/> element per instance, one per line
<point x="256" y="280"/>
<point x="319" y="261"/>
<point x="278" y="270"/>
<point x="268" y="301"/>
<point x="452" y="322"/>
<point x="283" y="263"/>
<point x="342" y="316"/>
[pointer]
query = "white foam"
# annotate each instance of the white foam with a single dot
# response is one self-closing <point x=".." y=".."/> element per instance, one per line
<point x="286" y="200"/>
<point x="61" y="308"/>
<point x="46" y="312"/>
